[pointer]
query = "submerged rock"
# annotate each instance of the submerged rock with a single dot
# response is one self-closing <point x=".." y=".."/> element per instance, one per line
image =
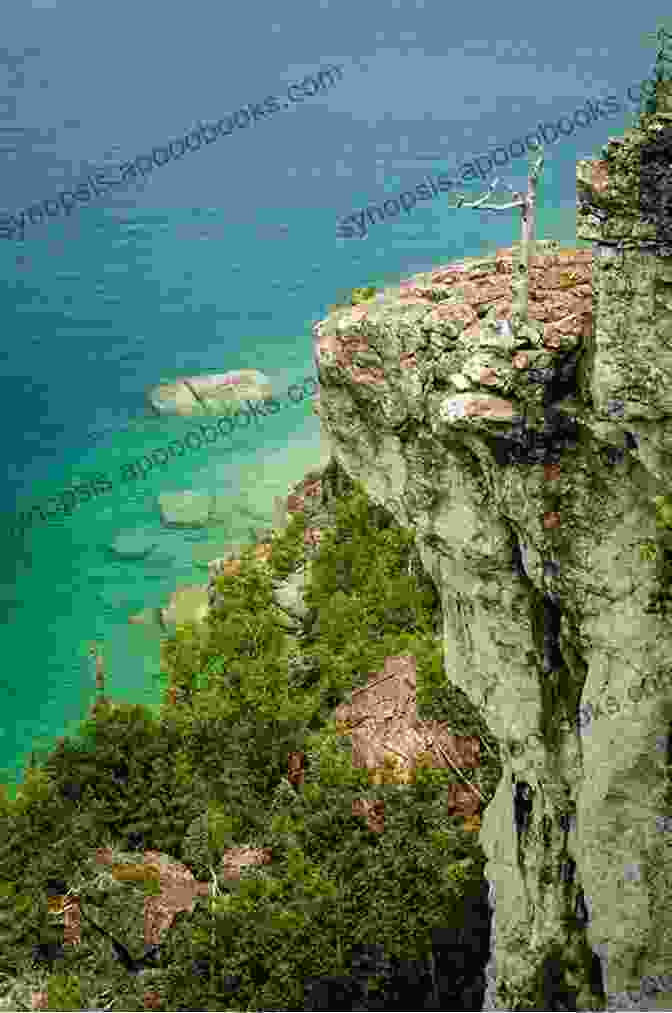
<point x="186" y="509"/>
<point x="133" y="545"/>
<point x="147" y="617"/>
<point x="209" y="394"/>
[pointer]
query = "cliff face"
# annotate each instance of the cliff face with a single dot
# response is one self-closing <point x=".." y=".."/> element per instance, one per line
<point x="526" y="465"/>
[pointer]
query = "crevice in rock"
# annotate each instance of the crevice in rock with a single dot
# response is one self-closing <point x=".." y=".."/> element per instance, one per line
<point x="563" y="382"/>
<point x="523" y="444"/>
<point x="517" y="564"/>
<point x="552" y="615"/>
<point x="612" y="455"/>
<point x="558" y="693"/>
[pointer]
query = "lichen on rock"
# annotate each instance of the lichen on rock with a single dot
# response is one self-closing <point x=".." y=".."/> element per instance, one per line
<point x="527" y="471"/>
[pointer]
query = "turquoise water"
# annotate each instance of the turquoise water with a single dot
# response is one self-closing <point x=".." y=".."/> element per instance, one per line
<point x="135" y="302"/>
<point x="222" y="259"/>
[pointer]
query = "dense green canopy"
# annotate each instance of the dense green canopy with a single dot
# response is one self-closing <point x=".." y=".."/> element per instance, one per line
<point x="211" y="773"/>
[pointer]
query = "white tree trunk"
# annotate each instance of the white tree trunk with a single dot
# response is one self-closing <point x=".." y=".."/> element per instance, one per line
<point x="521" y="283"/>
<point x="527" y="204"/>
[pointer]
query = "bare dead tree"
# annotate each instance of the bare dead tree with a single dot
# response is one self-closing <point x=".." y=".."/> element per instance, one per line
<point x="527" y="204"/>
<point x="95" y="652"/>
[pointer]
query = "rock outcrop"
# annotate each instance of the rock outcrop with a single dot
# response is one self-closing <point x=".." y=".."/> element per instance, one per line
<point x="390" y="741"/>
<point x="527" y="464"/>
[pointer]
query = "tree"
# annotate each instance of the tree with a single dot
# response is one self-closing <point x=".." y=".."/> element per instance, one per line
<point x="661" y="72"/>
<point x="527" y="204"/>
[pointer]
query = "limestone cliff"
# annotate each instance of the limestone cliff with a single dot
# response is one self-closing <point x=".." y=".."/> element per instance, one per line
<point x="527" y="465"/>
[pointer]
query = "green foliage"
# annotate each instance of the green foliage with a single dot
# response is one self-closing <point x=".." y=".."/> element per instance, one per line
<point x="663" y="512"/>
<point x="362" y="294"/>
<point x="648" y="551"/>
<point x="287" y="548"/>
<point x="357" y="295"/>
<point x="663" y="65"/>
<point x="367" y="603"/>
<point x="334" y="885"/>
<point x="64" y="992"/>
<point x="660" y="552"/>
<point x="196" y="850"/>
<point x="212" y="774"/>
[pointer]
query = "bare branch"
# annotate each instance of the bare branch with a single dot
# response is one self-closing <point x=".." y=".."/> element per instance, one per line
<point x="480" y="202"/>
<point x="459" y="773"/>
<point x="497" y="207"/>
<point x="526" y="202"/>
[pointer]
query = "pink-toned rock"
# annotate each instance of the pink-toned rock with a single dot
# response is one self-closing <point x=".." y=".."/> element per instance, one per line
<point x="487" y="376"/>
<point x="295" y="504"/>
<point x="324" y="349"/>
<point x="312" y="537"/>
<point x="358" y="313"/>
<point x="559" y="277"/>
<point x="296" y="774"/>
<point x="235" y="858"/>
<point x="382" y="719"/>
<point x="521" y="360"/>
<point x="372" y="375"/>
<point x="502" y="308"/>
<point x="179" y="891"/>
<point x="408" y="360"/>
<point x="587" y="323"/>
<point x="552" y="341"/>
<point x="488" y="290"/>
<point x="462" y="801"/>
<point x="312" y="487"/>
<point x="504" y="261"/>
<point x="468" y="290"/>
<point x="72" y="924"/>
<point x="373" y="811"/>
<point x="39" y="1000"/>
<point x="493" y="407"/>
<point x="351" y="343"/>
<point x="567" y="332"/>
<point x="551" y="472"/>
<point x="461" y="314"/>
<point x="151" y="1000"/>
<point x="414" y="297"/>
<point x="551" y="520"/>
<point x="597" y="175"/>
<point x="473" y="331"/>
<point x="449" y="274"/>
<point x="577" y="256"/>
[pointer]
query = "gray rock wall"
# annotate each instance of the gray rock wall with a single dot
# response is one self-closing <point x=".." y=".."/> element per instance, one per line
<point x="529" y="502"/>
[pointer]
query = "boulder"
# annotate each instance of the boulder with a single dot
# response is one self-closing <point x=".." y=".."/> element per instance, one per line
<point x="133" y="544"/>
<point x="185" y="509"/>
<point x="288" y="594"/>
<point x="235" y="859"/>
<point x="209" y="394"/>
<point x="188" y="604"/>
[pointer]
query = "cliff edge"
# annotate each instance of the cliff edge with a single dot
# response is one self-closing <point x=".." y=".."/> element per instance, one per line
<point x="528" y="467"/>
